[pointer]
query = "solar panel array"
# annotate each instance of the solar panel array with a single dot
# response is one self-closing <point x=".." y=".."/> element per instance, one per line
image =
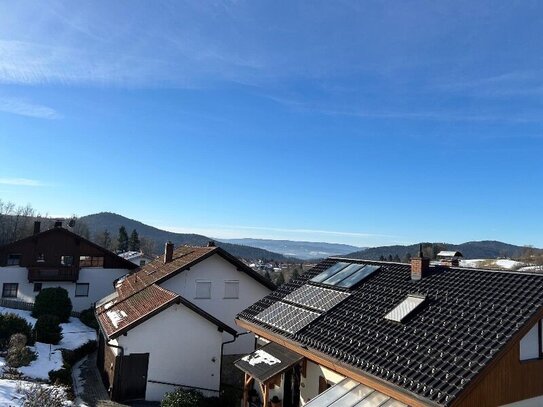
<point x="286" y="317"/>
<point x="345" y="275"/>
<point x="404" y="308"/>
<point x="317" y="298"/>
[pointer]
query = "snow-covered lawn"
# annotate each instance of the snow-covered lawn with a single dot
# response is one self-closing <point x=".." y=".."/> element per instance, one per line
<point x="10" y="397"/>
<point x="492" y="263"/>
<point x="75" y="334"/>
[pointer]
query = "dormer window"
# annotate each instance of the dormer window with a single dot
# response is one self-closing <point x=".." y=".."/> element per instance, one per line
<point x="40" y="258"/>
<point x="14" y="259"/>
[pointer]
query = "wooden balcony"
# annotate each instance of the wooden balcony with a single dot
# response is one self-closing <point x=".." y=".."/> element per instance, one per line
<point x="53" y="273"/>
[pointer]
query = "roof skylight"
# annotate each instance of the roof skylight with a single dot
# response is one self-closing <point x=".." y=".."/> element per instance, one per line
<point x="345" y="275"/>
<point x="404" y="308"/>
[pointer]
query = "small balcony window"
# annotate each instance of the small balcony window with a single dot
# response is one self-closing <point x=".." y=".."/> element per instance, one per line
<point x="91" y="261"/>
<point x="14" y="259"/>
<point x="67" y="260"/>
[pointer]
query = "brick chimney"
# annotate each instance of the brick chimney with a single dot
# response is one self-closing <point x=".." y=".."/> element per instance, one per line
<point x="419" y="266"/>
<point x="168" y="252"/>
<point x="37" y="227"/>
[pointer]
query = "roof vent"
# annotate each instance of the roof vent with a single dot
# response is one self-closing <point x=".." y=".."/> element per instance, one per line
<point x="449" y="258"/>
<point x="420" y="265"/>
<point x="168" y="252"/>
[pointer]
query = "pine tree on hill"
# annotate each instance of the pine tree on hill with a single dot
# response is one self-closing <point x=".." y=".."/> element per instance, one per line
<point x="295" y="274"/>
<point x="122" y="240"/>
<point x="280" y="279"/>
<point x="134" y="241"/>
<point x="104" y="239"/>
<point x="267" y="275"/>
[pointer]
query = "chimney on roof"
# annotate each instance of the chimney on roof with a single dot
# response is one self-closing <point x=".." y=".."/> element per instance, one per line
<point x="420" y="265"/>
<point x="58" y="224"/>
<point x="37" y="227"/>
<point x="168" y="252"/>
<point x="211" y="243"/>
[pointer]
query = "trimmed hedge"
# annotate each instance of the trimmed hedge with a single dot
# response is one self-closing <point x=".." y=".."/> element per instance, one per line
<point x="47" y="329"/>
<point x="88" y="318"/>
<point x="188" y="398"/>
<point x="70" y="358"/>
<point x="11" y="324"/>
<point x="53" y="301"/>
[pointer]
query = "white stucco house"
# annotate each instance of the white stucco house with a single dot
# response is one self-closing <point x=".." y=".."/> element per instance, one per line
<point x="137" y="257"/>
<point x="59" y="258"/>
<point x="168" y="324"/>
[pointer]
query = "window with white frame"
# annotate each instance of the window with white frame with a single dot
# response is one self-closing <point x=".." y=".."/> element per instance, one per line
<point x="203" y="289"/>
<point x="531" y="346"/>
<point x="231" y="289"/>
<point x="9" y="290"/>
<point x="82" y="289"/>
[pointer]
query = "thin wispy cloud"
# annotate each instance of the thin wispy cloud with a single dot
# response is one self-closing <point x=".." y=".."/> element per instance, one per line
<point x="23" y="108"/>
<point x="23" y="182"/>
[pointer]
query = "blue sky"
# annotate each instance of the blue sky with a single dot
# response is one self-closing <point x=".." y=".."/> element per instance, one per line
<point x="366" y="123"/>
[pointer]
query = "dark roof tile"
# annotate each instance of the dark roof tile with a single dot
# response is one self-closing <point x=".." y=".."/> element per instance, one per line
<point x="468" y="317"/>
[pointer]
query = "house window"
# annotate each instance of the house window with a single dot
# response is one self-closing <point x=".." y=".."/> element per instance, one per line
<point x="14" y="259"/>
<point x="531" y="346"/>
<point x="37" y="287"/>
<point x="142" y="263"/>
<point x="82" y="290"/>
<point x="9" y="290"/>
<point x="40" y="258"/>
<point x="203" y="289"/>
<point x="91" y="261"/>
<point x="67" y="260"/>
<point x="231" y="289"/>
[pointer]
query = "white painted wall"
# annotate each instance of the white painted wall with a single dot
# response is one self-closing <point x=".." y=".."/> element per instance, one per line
<point x="309" y="386"/>
<point x="100" y="284"/>
<point x="529" y="345"/>
<point x="181" y="346"/>
<point x="218" y="270"/>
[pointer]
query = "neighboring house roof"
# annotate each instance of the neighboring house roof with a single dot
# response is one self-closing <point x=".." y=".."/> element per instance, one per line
<point x="140" y="297"/>
<point x="184" y="257"/>
<point x="122" y="314"/>
<point x="466" y="319"/>
<point x="63" y="231"/>
<point x="449" y="253"/>
<point x="134" y="254"/>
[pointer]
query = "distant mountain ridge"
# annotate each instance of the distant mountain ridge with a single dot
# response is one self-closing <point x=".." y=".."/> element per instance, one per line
<point x="485" y="249"/>
<point x="299" y="249"/>
<point x="99" y="222"/>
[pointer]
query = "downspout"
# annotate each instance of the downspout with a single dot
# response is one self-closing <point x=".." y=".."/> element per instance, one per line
<point x="222" y="350"/>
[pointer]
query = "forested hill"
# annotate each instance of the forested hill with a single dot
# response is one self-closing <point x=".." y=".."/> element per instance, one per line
<point x="486" y="249"/>
<point x="99" y="222"/>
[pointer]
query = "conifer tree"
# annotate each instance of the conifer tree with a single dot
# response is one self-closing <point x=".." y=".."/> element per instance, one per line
<point x="134" y="241"/>
<point x="267" y="275"/>
<point x="280" y="279"/>
<point x="104" y="239"/>
<point x="295" y="274"/>
<point x="122" y="240"/>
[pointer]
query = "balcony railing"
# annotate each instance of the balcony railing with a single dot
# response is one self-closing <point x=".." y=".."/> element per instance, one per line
<point x="55" y="273"/>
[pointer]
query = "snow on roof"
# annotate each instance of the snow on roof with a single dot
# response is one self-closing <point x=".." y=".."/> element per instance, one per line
<point x="116" y="317"/>
<point x="130" y="255"/>
<point x="449" y="253"/>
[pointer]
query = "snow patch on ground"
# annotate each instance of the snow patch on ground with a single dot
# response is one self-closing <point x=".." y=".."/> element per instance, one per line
<point x="10" y="397"/>
<point x="49" y="357"/>
<point x="491" y="263"/>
